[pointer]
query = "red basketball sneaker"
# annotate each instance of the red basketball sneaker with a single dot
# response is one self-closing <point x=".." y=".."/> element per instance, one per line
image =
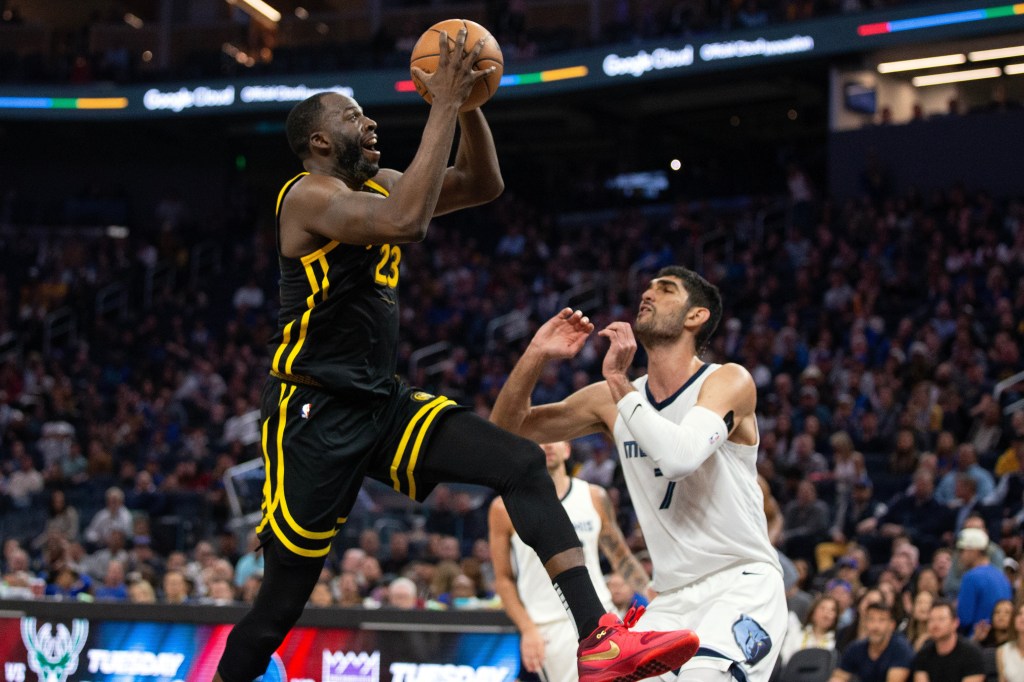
<point x="614" y="654"/>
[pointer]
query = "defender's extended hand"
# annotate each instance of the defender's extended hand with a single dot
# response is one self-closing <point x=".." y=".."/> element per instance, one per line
<point x="563" y="335"/>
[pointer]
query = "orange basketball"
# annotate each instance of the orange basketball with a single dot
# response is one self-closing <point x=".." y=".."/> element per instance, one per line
<point x="425" y="56"/>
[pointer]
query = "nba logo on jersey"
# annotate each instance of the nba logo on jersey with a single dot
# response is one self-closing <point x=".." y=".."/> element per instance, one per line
<point x="714" y="438"/>
<point x="305" y="410"/>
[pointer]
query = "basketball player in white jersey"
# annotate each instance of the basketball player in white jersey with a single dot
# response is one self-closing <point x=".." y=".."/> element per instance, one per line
<point x="547" y="636"/>
<point x="687" y="442"/>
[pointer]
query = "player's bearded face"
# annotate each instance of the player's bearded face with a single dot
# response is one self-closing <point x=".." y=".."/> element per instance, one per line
<point x="656" y="327"/>
<point x="351" y="158"/>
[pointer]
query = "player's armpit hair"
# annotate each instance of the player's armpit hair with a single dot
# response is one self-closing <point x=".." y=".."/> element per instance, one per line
<point x="676" y="449"/>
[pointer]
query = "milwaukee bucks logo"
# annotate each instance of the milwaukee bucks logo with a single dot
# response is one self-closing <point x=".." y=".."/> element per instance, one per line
<point x="54" y="657"/>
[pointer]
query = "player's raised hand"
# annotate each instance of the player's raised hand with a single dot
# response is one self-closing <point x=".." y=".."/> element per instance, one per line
<point x="455" y="76"/>
<point x="563" y="335"/>
<point x="621" y="350"/>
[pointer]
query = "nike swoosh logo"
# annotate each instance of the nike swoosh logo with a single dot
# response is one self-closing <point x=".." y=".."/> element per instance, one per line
<point x="608" y="654"/>
<point x="750" y="573"/>
<point x="385" y="299"/>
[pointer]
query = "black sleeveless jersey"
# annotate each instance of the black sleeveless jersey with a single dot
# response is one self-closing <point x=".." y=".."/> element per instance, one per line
<point x="338" y="325"/>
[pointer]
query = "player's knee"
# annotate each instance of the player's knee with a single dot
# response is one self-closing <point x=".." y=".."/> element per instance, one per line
<point x="524" y="464"/>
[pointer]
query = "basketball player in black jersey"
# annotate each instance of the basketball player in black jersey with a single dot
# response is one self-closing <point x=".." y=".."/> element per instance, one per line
<point x="333" y="411"/>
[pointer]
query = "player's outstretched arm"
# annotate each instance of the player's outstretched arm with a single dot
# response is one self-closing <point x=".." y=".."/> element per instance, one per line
<point x="326" y="206"/>
<point x="613" y="544"/>
<point x="476" y="176"/>
<point x="584" y="412"/>
<point x="500" y="531"/>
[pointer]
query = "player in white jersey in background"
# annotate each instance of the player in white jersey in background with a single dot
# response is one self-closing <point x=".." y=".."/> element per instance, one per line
<point x="547" y="636"/>
<point x="687" y="440"/>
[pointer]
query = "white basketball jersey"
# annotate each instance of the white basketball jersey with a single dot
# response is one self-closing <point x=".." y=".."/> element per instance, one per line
<point x="710" y="520"/>
<point x="532" y="582"/>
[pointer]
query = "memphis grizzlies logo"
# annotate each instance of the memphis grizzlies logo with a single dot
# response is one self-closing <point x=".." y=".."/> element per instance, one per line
<point x="752" y="639"/>
<point x="53" y="657"/>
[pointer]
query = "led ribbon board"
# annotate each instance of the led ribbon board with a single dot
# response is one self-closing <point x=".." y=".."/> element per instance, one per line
<point x="933" y="20"/>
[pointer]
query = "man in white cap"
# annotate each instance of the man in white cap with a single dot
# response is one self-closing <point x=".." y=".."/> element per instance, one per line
<point x="983" y="584"/>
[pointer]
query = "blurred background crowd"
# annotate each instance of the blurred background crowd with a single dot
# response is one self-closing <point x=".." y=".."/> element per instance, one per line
<point x="877" y="331"/>
<point x="883" y="331"/>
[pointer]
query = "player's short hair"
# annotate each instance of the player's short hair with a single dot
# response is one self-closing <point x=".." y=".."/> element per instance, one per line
<point x="302" y="121"/>
<point x="702" y="294"/>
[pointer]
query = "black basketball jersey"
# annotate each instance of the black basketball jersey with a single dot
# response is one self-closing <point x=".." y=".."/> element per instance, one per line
<point x="338" y="325"/>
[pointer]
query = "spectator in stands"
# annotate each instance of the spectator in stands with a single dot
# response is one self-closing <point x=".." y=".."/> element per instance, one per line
<point x="1007" y="499"/>
<point x="369" y="542"/>
<point x="112" y="549"/>
<point x="251" y="587"/>
<point x="250" y="562"/>
<point x="176" y="588"/>
<point x="623" y="596"/>
<point x="145" y="496"/>
<point x="806" y="521"/>
<point x="114" y="515"/>
<point x="990" y="633"/>
<point x="62" y="521"/>
<point x="249" y="296"/>
<point x="1010" y="656"/>
<point x="113" y="587"/>
<point x="141" y="592"/>
<point x="947" y="657"/>
<point x="986" y="429"/>
<point x="927" y="580"/>
<point x="805" y="459"/>
<point x="905" y="456"/>
<point x="996" y="556"/>
<point x="398" y="553"/>
<point x="219" y="592"/>
<point x="852" y="628"/>
<point x="203" y="559"/>
<point x="322" y="596"/>
<point x="849" y="513"/>
<point x="346" y="590"/>
<point x="26" y="480"/>
<point x="817" y="631"/>
<point x="68" y="581"/>
<point x="966" y="463"/>
<point x="983" y="584"/>
<point x="401" y="594"/>
<point x="599" y="467"/>
<point x="903" y="564"/>
<point x="916" y="515"/>
<point x="882" y="656"/>
<point x="917" y="624"/>
<point x="847" y="463"/>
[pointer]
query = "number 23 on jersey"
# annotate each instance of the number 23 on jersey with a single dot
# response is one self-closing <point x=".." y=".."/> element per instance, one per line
<point x="386" y="272"/>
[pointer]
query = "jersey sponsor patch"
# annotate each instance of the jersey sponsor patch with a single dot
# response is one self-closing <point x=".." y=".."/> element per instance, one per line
<point x="752" y="639"/>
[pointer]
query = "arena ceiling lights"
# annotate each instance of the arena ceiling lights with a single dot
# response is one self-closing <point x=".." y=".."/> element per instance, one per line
<point x="998" y="53"/>
<point x="1013" y="69"/>
<point x="258" y="10"/>
<point x="956" y="76"/>
<point x="923" y="63"/>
